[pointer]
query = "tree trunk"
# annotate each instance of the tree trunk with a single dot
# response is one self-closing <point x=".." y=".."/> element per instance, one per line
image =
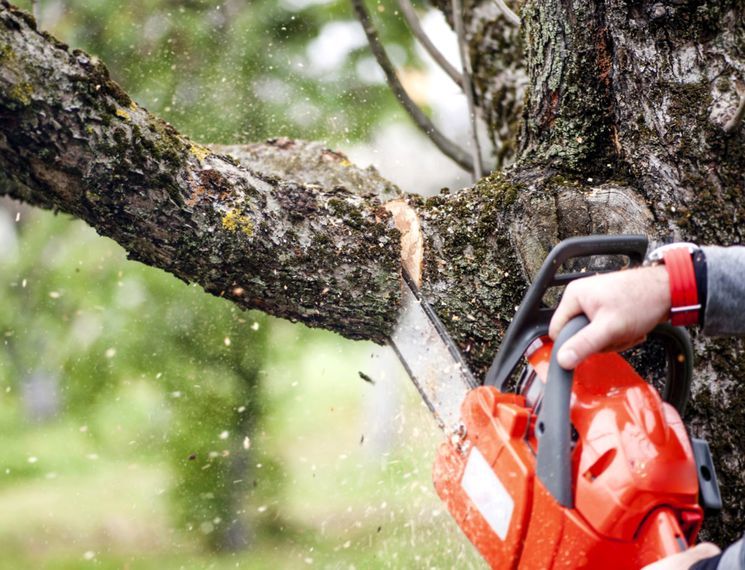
<point x="622" y="131"/>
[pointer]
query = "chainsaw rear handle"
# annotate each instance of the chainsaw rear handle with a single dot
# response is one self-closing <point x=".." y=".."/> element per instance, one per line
<point x="553" y="429"/>
<point x="532" y="319"/>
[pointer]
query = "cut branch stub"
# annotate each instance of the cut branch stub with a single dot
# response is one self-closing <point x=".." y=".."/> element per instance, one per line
<point x="412" y="241"/>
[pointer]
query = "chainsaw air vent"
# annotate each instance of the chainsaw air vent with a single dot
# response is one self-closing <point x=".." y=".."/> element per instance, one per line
<point x="600" y="465"/>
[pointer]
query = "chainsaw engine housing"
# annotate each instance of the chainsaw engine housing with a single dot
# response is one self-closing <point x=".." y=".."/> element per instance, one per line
<point x="634" y="477"/>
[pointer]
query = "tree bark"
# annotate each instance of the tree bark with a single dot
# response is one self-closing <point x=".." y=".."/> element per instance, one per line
<point x="622" y="132"/>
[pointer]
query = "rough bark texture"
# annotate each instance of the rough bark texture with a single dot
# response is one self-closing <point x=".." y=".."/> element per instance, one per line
<point x="622" y="132"/>
<point x="496" y="50"/>
<point x="568" y="111"/>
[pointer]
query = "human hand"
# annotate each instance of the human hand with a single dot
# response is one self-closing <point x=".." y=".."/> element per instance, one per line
<point x="622" y="307"/>
<point x="684" y="560"/>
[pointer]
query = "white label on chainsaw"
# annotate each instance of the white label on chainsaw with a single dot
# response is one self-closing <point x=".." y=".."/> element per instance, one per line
<point x="486" y="491"/>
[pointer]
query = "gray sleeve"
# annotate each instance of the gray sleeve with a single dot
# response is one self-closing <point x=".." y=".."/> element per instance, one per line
<point x="733" y="558"/>
<point x="725" y="297"/>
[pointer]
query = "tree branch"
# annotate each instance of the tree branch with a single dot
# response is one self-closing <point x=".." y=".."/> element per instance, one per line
<point x="511" y="17"/>
<point x="416" y="28"/>
<point x="448" y="147"/>
<point x="468" y="87"/>
<point x="72" y="140"/>
<point x="293" y="229"/>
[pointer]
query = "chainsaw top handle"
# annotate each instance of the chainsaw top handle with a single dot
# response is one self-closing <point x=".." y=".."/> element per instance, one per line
<point x="532" y="318"/>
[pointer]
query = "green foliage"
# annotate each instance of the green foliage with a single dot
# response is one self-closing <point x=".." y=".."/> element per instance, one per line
<point x="220" y="406"/>
<point x="73" y="309"/>
<point x="241" y="71"/>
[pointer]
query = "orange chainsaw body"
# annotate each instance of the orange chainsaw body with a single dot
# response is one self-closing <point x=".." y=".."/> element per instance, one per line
<point x="634" y="475"/>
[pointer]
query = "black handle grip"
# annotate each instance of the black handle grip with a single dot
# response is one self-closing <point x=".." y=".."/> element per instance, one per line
<point x="553" y="464"/>
<point x="632" y="246"/>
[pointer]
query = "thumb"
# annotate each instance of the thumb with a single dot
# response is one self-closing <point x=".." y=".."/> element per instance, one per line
<point x="590" y="340"/>
<point x="685" y="559"/>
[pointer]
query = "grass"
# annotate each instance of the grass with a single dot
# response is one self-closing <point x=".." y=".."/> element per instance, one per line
<point x="356" y="489"/>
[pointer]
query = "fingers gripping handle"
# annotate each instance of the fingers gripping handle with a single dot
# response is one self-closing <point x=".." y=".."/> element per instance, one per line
<point x="554" y="466"/>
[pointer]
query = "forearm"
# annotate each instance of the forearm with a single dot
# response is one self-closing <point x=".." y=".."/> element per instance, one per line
<point x="725" y="297"/>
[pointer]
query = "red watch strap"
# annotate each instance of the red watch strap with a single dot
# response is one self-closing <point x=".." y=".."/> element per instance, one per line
<point x="684" y="305"/>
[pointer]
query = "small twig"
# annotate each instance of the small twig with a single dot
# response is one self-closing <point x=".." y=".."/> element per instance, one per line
<point x="448" y="147"/>
<point x="460" y="31"/>
<point x="35" y="11"/>
<point x="512" y="18"/>
<point x="735" y="121"/>
<point x="416" y="28"/>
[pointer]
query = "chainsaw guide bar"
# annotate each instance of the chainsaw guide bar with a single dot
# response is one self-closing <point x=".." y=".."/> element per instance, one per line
<point x="431" y="358"/>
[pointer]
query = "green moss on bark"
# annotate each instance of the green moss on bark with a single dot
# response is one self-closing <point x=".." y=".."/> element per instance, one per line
<point x="472" y="275"/>
<point x="20" y="94"/>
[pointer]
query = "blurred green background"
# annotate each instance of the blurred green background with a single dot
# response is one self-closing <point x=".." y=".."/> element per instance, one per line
<point x="148" y="425"/>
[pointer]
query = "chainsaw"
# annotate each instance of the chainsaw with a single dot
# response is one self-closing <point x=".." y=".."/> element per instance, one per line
<point x="547" y="468"/>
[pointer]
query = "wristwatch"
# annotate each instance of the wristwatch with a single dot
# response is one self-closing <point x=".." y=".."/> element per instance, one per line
<point x="686" y="268"/>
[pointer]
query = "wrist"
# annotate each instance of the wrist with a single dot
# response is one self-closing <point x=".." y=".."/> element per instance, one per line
<point x="684" y="276"/>
<point x="661" y="283"/>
